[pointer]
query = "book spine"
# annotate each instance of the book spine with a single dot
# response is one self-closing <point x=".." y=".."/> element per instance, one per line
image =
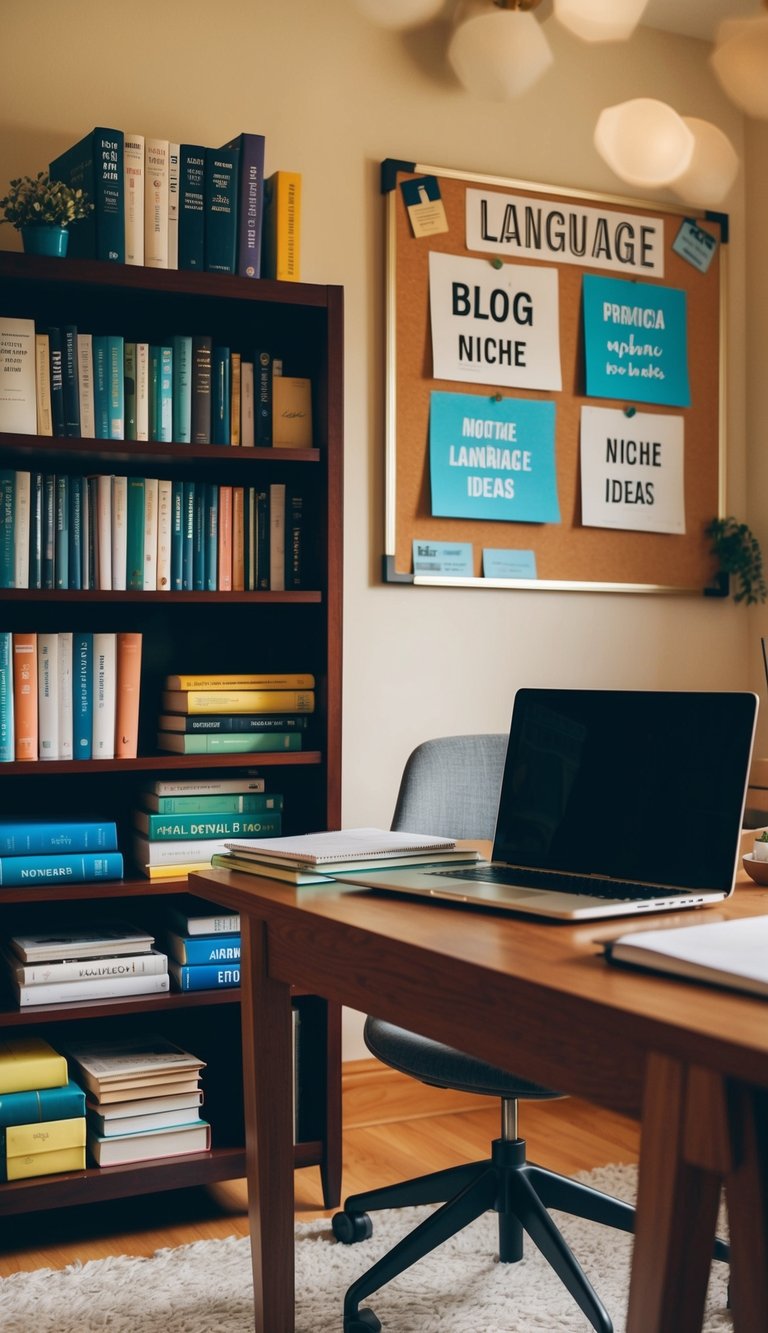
<point x="277" y="536"/>
<point x="188" y="537"/>
<point x="225" y="538"/>
<point x="201" y="950"/>
<point x="173" y="204"/>
<point x="221" y="169"/>
<point x="251" y="205"/>
<point x="104" y="695"/>
<point x="119" y="532"/>
<point x="45" y="1163"/>
<point x="211" y="518"/>
<point x="129" y="382"/>
<point x="49" y="531"/>
<point x="238" y="538"/>
<point x="233" y="743"/>
<point x="220" y="395"/>
<point x="48" y="695"/>
<point x="262" y="370"/>
<point x="294" y="539"/>
<point x="182" y="389"/>
<point x="7" y="725"/>
<point x="247" y="435"/>
<point x="201" y="977"/>
<point x="235" y="396"/>
<point x="177" y="535"/>
<point x="164" y="506"/>
<point x="44" y="1137"/>
<point x="71" y="992"/>
<point x="207" y="786"/>
<point x="65" y="702"/>
<point x="82" y="695"/>
<point x="85" y="385"/>
<point x="134" y="201"/>
<point x="43" y="384"/>
<point x="25" y="1108"/>
<point x="191" y="207"/>
<point x="61" y="557"/>
<point x="167" y="828"/>
<point x="100" y="344"/>
<point x="242" y="803"/>
<point x="199" y="538"/>
<point x="128" y="649"/>
<point x="156" y="203"/>
<point x="256" y="680"/>
<point x="70" y="378"/>
<point x="116" y="398"/>
<point x="150" y="534"/>
<point x="223" y="924"/>
<point x="96" y="164"/>
<point x="135" y="534"/>
<point x="122" y="966"/>
<point x="90" y="550"/>
<point x="24" y="701"/>
<point x="76" y="486"/>
<point x="54" y="837"/>
<point x="239" y="701"/>
<point x="21" y="528"/>
<point x="142" y="391"/>
<point x="202" y="348"/>
<point x="281" y="257"/>
<point x="104" y="531"/>
<point x="57" y="380"/>
<point x="212" y="723"/>
<point x="7" y="534"/>
<point x="161" y="394"/>
<point x="18" y="393"/>
<point x="36" y="530"/>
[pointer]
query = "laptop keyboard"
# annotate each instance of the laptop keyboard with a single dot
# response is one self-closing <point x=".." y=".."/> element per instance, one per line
<point x="563" y="883"/>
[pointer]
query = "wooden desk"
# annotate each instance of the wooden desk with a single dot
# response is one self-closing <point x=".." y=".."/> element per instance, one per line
<point x="537" y="998"/>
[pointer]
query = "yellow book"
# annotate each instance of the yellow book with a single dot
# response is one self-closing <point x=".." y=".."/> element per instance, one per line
<point x="291" y="412"/>
<point x="238" y="701"/>
<point x="45" y="1163"/>
<point x="27" y="1063"/>
<point x="258" y="680"/>
<point x="45" y="1136"/>
<point x="175" y="872"/>
<point x="281" y="240"/>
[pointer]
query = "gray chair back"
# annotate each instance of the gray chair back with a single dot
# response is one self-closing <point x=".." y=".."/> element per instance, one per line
<point x="451" y="785"/>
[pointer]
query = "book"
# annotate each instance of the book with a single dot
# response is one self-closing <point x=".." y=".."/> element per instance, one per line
<point x="211" y="535"/>
<point x="82" y="695"/>
<point x="277" y="536"/>
<point x="96" y="165"/>
<point x="190" y="916"/>
<point x="25" y="696"/>
<point x="161" y="394"/>
<point x="250" y="202"/>
<point x="142" y="391"/>
<point x="192" y="1138"/>
<point x="165" y="828"/>
<point x="129" y="383"/>
<point x="294" y="540"/>
<point x="48" y="572"/>
<point x="48" y="695"/>
<point x="238" y="538"/>
<point x="76" y="487"/>
<point x="119" y="522"/>
<point x="52" y="1163"/>
<point x="300" y="873"/>
<point x="281" y="246"/>
<point x="181" y="851"/>
<point x="211" y="722"/>
<point x="238" y="680"/>
<point x="339" y="846"/>
<point x="130" y="1057"/>
<point x="7" y="728"/>
<point x="179" y="869"/>
<point x="104" y="531"/>
<point x="101" y="389"/>
<point x="18" y="392"/>
<point x="45" y="1136"/>
<point x="95" y="941"/>
<point x="22" y="500"/>
<point x="112" y="1113"/>
<point x="262" y="390"/>
<point x="191" y="207"/>
<point x="75" y="868"/>
<point x="724" y="953"/>
<point x="97" y="968"/>
<point x="199" y="540"/>
<point x="70" y="380"/>
<point x="177" y="535"/>
<point x="65" y="714"/>
<point x="128" y="684"/>
<point x="43" y="384"/>
<point x="156" y="203"/>
<point x="291" y="412"/>
<point x="57" y="380"/>
<point x="135" y="533"/>
<point x="104" y="696"/>
<point x="36" y="530"/>
<point x="173" y="204"/>
<point x="221" y="175"/>
<point x="182" y="388"/>
<point x="202" y="350"/>
<point x="133" y="189"/>
<point x="29" y="1063"/>
<point x="164" y="513"/>
<point x="207" y="786"/>
<point x="115" y="386"/>
<point x="85" y="385"/>
<point x="150" y="534"/>
<point x="201" y="977"/>
<point x="232" y="743"/>
<point x="235" y="410"/>
<point x="221" y="364"/>
<point x="61" y="552"/>
<point x="247" y="420"/>
<point x="144" y="1090"/>
<point x="7" y="536"/>
<point x="73" y="992"/>
<point x="224" y="552"/>
<point x="238" y="701"/>
<point x="189" y="494"/>
<point x="24" y="1108"/>
<point x="250" y="866"/>
<point x="195" y="950"/>
<point x="237" y="803"/>
<point x="110" y="1127"/>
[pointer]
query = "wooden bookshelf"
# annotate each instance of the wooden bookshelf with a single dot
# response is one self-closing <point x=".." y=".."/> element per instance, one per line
<point x="188" y="631"/>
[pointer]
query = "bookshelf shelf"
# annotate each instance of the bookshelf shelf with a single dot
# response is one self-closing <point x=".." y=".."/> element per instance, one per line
<point x="203" y="632"/>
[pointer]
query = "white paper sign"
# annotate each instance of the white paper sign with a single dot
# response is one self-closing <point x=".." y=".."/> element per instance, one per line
<point x="494" y="325"/>
<point x="632" y="473"/>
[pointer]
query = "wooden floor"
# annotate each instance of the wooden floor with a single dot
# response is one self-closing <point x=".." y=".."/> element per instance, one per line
<point x="394" y="1129"/>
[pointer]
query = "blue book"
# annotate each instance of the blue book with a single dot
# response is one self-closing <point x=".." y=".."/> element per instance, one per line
<point x="221" y="369"/>
<point x="78" y="868"/>
<point x="204" y="977"/>
<point x="221" y="167"/>
<point x="177" y="536"/>
<point x="76" y="488"/>
<point x="7" y="528"/>
<point x="197" y="950"/>
<point x="250" y="202"/>
<point x="188" y="537"/>
<point x="40" y="837"/>
<point x="262" y="393"/>
<point x="49" y="530"/>
<point x="56" y="360"/>
<point x="82" y="695"/>
<point x="27" y="1108"/>
<point x="192" y="207"/>
<point x="182" y="388"/>
<point x="96" y="165"/>
<point x="7" y="747"/>
<point x="101" y="385"/>
<point x="161" y="394"/>
<point x="199" y="543"/>
<point x="36" y="530"/>
<point x="70" y="380"/>
<point x="61" y="551"/>
<point x="211" y="536"/>
<point x="116" y="386"/>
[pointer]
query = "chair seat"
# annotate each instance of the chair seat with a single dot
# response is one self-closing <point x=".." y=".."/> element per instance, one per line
<point x="443" y="1067"/>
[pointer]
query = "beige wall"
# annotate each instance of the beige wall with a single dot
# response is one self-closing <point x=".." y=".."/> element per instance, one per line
<point x="334" y="96"/>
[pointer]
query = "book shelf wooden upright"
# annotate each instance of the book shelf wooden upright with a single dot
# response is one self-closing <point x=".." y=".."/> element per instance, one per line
<point x="188" y="632"/>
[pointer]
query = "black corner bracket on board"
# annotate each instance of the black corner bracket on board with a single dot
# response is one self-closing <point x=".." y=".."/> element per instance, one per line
<point x="721" y="586"/>
<point x="389" y="169"/>
<point x="390" y="574"/>
<point x="722" y="221"/>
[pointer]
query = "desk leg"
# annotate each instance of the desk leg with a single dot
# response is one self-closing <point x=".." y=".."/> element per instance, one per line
<point x="267" y="1098"/>
<point x="676" y="1208"/>
<point x="747" y="1193"/>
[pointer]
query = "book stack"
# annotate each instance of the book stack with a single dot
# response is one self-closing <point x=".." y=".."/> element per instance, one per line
<point x="42" y="1111"/>
<point x="71" y="965"/>
<point x="226" y="796"/>
<point x="143" y="1098"/>
<point x="203" y="947"/>
<point x="236" y="714"/>
<point x="49" y="852"/>
<point x="315" y="858"/>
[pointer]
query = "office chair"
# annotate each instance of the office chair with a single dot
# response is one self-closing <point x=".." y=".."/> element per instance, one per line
<point x="450" y="787"/>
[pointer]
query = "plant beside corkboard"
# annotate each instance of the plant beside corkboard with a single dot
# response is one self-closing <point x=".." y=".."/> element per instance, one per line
<point x="738" y="553"/>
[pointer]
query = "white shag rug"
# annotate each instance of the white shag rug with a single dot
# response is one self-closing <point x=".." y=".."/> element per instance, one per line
<point x="206" y="1287"/>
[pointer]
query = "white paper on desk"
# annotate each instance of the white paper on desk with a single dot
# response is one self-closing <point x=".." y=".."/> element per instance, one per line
<point x="729" y="953"/>
<point x="341" y="845"/>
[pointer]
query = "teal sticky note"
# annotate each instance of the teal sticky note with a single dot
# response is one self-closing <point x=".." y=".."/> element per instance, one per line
<point x="446" y="558"/>
<point x="636" y="341"/>
<point x="500" y="564"/>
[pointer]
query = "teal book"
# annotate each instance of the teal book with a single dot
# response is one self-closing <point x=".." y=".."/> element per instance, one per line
<point x="221" y="371"/>
<point x="161" y="394"/>
<point x="76" y="488"/>
<point x="61" y="552"/>
<point x="211" y="536"/>
<point x="7" y="744"/>
<point x="202" y="977"/>
<point x="229" y="743"/>
<point x="263" y="370"/>
<point x="82" y="695"/>
<point x="8" y="528"/>
<point x="250" y="202"/>
<point x="192" y="207"/>
<point x="199" y="543"/>
<point x="170" y="828"/>
<point x="221" y="170"/>
<point x="202" y="348"/>
<point x="27" y="837"/>
<point x="70" y="382"/>
<point x="115" y="386"/>
<point x="27" y="1108"/>
<point x="177" y="536"/>
<point x="182" y="388"/>
<point x="60" y="868"/>
<point x="197" y="950"/>
<point x="49" y="530"/>
<point x="135" y="535"/>
<point x="92" y="487"/>
<point x="36" y="530"/>
<point x="101" y="385"/>
<point x="188" y="537"/>
<point x="129" y="389"/>
<point x="56" y="360"/>
<point x="232" y="803"/>
<point x="96" y="165"/>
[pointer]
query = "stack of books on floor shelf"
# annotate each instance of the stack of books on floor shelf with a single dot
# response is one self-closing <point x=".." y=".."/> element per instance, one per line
<point x="143" y="1098"/>
<point x="236" y="714"/>
<point x="314" y="858"/>
<point x="70" y="965"/>
<point x="42" y="1111"/>
<point x="67" y="852"/>
<point x="203" y="947"/>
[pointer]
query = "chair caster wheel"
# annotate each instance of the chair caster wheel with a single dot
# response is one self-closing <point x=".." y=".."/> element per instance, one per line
<point x="364" y="1321"/>
<point x="350" y="1228"/>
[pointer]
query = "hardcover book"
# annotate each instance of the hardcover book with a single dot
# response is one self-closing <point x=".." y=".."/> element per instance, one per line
<point x="182" y="389"/>
<point x="166" y="828"/>
<point x="104" y="531"/>
<point x="134" y="201"/>
<point x="135" y="534"/>
<point x="59" y="971"/>
<point x="51" y="1163"/>
<point x="24" y="1108"/>
<point x="195" y="1137"/>
<point x="127" y="694"/>
<point x="28" y="1063"/>
<point x="202" y="349"/>
<point x="7" y="533"/>
<point x="96" y="165"/>
<point x="150" y="534"/>
<point x="195" y="950"/>
<point x="48" y="695"/>
<point x="6" y="697"/>
<point x="57" y="380"/>
<point x="164" y="511"/>
<point x="43" y="384"/>
<point x="190" y="916"/>
<point x="104" y="696"/>
<point x="173" y="205"/>
<point x="65" y="714"/>
<point x="130" y="1058"/>
<point x="77" y="486"/>
<point x="207" y="786"/>
<point x="161" y="394"/>
<point x="262" y="387"/>
<point x="42" y="1136"/>
<point x="85" y="385"/>
<point x="109" y="1127"/>
<point x="238" y="701"/>
<point x="220" y="395"/>
<point x="250" y="207"/>
<point x="21" y="528"/>
<point x="281" y="254"/>
<point x="291" y="412"/>
<point x="96" y="941"/>
<point x="82" y="695"/>
<point x="119" y="532"/>
<point x="156" y="203"/>
<point x="25" y="696"/>
<point x="60" y="867"/>
<point x="70" y="377"/>
<point x="201" y="977"/>
<point x="18" y="394"/>
<point x="233" y="743"/>
<point x="221" y="175"/>
<point x="206" y="722"/>
<point x="192" y="207"/>
<point x="234" y="803"/>
<point x="28" y="837"/>
<point x="72" y="992"/>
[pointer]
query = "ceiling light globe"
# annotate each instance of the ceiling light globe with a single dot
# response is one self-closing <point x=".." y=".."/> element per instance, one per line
<point x="399" y="13"/>
<point x="498" y="53"/>
<point x="740" y="61"/>
<point x="644" y="141"/>
<point x="600" y="20"/>
<point x="713" y="166"/>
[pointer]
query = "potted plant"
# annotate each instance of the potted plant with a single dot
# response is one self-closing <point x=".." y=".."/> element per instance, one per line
<point x="42" y="209"/>
<point x="738" y="553"/>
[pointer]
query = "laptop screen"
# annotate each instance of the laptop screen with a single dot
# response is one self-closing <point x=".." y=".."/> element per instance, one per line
<point x="634" y="785"/>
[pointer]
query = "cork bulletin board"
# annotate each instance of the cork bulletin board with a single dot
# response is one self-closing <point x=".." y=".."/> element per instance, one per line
<point x="568" y="553"/>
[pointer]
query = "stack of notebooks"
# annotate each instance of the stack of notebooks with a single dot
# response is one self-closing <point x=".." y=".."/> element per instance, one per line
<point x="235" y="714"/>
<point x="59" y="851"/>
<point x="314" y="858"/>
<point x="143" y="1098"/>
<point x="70" y="965"/>
<point x="203" y="947"/>
<point x="42" y="1112"/>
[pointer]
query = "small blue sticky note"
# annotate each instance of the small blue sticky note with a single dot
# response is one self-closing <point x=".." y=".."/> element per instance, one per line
<point x="695" y="245"/>
<point x="454" y="558"/>
<point x="500" y="564"/>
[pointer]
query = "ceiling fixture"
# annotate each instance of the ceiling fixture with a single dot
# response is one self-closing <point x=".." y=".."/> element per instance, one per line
<point x="644" y="141"/>
<point x="740" y="61"/>
<point x="600" y="20"/>
<point x="399" y="13"/>
<point x="498" y="51"/>
<point x="712" y="168"/>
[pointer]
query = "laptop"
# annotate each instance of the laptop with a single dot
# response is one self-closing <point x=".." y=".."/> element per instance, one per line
<point x="613" y="803"/>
